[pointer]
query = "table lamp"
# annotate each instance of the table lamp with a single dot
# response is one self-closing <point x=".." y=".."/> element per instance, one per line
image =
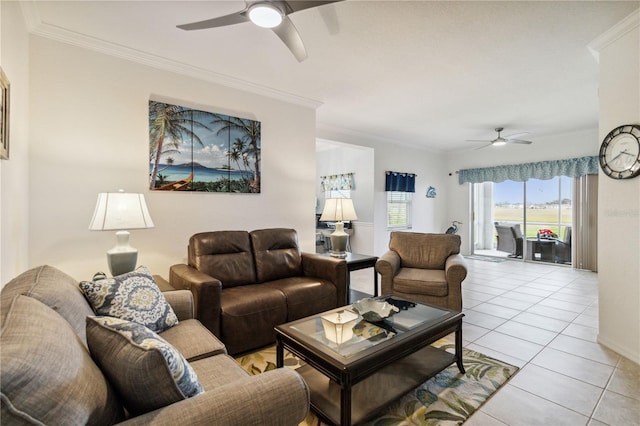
<point x="338" y="210"/>
<point x="121" y="211"/>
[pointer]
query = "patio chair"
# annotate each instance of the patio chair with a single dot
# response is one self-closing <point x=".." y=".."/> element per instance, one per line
<point x="509" y="239"/>
<point x="563" y="247"/>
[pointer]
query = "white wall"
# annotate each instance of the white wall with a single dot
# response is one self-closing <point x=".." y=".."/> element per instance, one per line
<point x="89" y="134"/>
<point x="14" y="178"/>
<point x="569" y="145"/>
<point x="619" y="201"/>
<point x="429" y="214"/>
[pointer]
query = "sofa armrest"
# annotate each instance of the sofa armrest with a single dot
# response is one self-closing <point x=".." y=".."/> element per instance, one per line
<point x="329" y="268"/>
<point x="455" y="271"/>
<point x="388" y="266"/>
<point x="181" y="302"/>
<point x="206" y="291"/>
<point x="275" y="398"/>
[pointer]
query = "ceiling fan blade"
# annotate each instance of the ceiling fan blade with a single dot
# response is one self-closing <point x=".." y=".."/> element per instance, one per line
<point x="518" y="141"/>
<point x="330" y="18"/>
<point x="290" y="36"/>
<point x="482" y="147"/>
<point x="296" y="6"/>
<point x="220" y="21"/>
<point x="478" y="140"/>
<point x="516" y="135"/>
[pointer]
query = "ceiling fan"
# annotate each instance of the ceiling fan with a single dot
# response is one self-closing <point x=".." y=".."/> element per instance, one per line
<point x="272" y="14"/>
<point x="503" y="141"/>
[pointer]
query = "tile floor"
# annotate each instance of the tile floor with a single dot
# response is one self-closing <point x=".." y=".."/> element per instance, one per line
<point x="543" y="319"/>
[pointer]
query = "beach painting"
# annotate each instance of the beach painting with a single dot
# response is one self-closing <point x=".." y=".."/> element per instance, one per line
<point x="194" y="150"/>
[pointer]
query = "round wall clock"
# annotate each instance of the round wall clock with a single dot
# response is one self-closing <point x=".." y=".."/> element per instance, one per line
<point x="620" y="152"/>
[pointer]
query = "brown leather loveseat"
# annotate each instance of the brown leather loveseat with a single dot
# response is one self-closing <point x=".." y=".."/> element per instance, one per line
<point x="246" y="283"/>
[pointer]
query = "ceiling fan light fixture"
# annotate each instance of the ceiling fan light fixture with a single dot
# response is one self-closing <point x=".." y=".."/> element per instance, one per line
<point x="265" y="15"/>
<point x="499" y="142"/>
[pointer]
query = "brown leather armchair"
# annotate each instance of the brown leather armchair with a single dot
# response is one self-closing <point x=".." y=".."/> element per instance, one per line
<point x="246" y="283"/>
<point x="425" y="268"/>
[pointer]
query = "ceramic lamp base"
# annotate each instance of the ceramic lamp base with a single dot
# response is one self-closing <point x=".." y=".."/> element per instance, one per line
<point x="122" y="258"/>
<point x="339" y="240"/>
<point x="121" y="263"/>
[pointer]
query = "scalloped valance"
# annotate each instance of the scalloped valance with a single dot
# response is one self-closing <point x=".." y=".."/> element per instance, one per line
<point x="543" y="170"/>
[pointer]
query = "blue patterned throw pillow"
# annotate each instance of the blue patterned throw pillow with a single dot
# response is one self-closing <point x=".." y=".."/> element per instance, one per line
<point x="147" y="371"/>
<point x="133" y="296"/>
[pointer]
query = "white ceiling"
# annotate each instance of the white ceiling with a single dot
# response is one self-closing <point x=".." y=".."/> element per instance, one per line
<point x="422" y="73"/>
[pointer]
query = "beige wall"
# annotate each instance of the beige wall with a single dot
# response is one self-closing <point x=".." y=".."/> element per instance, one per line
<point x="89" y="134"/>
<point x="619" y="201"/>
<point x="14" y="177"/>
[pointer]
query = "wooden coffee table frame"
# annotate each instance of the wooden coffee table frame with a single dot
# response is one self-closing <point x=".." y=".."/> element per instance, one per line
<point x="408" y="352"/>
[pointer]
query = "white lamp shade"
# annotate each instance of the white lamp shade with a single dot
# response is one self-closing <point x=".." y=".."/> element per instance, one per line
<point x="120" y="210"/>
<point x="338" y="209"/>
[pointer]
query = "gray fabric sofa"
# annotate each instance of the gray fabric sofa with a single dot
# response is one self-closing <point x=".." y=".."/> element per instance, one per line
<point x="48" y="375"/>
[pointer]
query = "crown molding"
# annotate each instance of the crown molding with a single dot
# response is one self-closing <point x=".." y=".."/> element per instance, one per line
<point x="30" y="15"/>
<point x="35" y="26"/>
<point x="614" y="33"/>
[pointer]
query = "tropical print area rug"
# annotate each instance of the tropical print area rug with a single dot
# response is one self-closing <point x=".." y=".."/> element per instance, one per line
<point x="448" y="398"/>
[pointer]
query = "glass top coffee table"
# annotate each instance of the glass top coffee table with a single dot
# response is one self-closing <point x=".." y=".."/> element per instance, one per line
<point x="354" y="367"/>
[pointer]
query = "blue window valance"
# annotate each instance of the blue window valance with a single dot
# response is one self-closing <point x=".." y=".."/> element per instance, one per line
<point x="400" y="182"/>
<point x="340" y="182"/>
<point x="542" y="170"/>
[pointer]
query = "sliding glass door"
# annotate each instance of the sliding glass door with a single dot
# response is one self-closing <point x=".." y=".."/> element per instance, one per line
<point x="549" y="206"/>
<point x="529" y="220"/>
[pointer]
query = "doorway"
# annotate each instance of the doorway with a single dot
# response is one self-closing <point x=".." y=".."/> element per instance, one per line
<point x="337" y="158"/>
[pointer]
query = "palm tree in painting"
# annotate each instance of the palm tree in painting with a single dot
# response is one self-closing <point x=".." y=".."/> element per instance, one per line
<point x="249" y="140"/>
<point x="170" y="125"/>
<point x="235" y="153"/>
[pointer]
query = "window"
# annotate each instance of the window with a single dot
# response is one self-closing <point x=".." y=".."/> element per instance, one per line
<point x="399" y="210"/>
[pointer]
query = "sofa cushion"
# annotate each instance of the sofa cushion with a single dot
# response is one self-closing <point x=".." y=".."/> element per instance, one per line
<point x="305" y="296"/>
<point x="431" y="282"/>
<point x="193" y="340"/>
<point x="217" y="371"/>
<point x="147" y="371"/>
<point x="224" y="255"/>
<point x="426" y="251"/>
<point x="133" y="296"/>
<point x="248" y="314"/>
<point x="276" y="254"/>
<point x="55" y="289"/>
<point x="48" y="376"/>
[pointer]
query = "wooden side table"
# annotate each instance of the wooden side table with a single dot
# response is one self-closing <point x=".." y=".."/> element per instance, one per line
<point x="356" y="262"/>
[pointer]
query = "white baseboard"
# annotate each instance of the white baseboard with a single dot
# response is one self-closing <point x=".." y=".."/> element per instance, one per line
<point x="625" y="352"/>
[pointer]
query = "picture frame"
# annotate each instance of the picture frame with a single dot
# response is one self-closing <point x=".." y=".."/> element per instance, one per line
<point x="202" y="151"/>
<point x="4" y="115"/>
